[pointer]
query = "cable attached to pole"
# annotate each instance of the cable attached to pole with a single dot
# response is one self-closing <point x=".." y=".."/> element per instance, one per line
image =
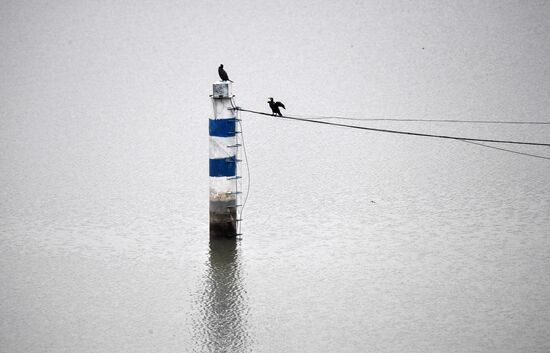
<point x="398" y="131"/>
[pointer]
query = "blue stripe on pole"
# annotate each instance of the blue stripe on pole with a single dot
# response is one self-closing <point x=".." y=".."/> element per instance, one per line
<point x="222" y="127"/>
<point x="223" y="167"/>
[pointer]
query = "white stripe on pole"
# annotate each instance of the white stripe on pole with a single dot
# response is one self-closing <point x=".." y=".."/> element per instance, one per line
<point x="219" y="146"/>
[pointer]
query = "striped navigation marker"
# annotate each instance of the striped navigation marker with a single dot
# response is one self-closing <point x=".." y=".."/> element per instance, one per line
<point x="224" y="159"/>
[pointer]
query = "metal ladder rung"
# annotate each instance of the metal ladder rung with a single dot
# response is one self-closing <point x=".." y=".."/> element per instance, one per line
<point x="235" y="177"/>
<point x="220" y="96"/>
<point x="234" y="146"/>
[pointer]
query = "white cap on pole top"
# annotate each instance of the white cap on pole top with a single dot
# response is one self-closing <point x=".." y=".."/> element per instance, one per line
<point x="222" y="89"/>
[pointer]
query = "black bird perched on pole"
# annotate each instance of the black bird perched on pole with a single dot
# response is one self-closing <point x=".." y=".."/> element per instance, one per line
<point x="275" y="107"/>
<point x="223" y="74"/>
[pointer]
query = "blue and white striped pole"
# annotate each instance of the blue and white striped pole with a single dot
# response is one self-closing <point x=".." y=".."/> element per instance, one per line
<point x="224" y="153"/>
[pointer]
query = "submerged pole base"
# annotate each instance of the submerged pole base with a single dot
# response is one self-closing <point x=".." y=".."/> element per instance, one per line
<point x="223" y="230"/>
<point x="223" y="219"/>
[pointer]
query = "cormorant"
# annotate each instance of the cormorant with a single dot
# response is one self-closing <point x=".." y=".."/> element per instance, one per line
<point x="223" y="74"/>
<point x="275" y="107"/>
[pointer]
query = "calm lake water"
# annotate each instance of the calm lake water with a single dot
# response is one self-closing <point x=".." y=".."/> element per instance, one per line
<point x="353" y="241"/>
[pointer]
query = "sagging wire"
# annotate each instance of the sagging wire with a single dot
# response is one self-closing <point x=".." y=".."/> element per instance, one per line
<point x="507" y="150"/>
<point x="247" y="170"/>
<point x="475" y="141"/>
<point x="236" y="109"/>
<point x="429" y="120"/>
<point x="401" y="132"/>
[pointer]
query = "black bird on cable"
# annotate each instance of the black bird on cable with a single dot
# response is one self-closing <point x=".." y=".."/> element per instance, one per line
<point x="223" y="74"/>
<point x="275" y="107"/>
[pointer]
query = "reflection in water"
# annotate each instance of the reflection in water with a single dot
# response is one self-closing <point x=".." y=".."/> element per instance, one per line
<point x="223" y="320"/>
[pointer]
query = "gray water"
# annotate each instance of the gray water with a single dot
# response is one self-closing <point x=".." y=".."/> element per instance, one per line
<point x="352" y="241"/>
